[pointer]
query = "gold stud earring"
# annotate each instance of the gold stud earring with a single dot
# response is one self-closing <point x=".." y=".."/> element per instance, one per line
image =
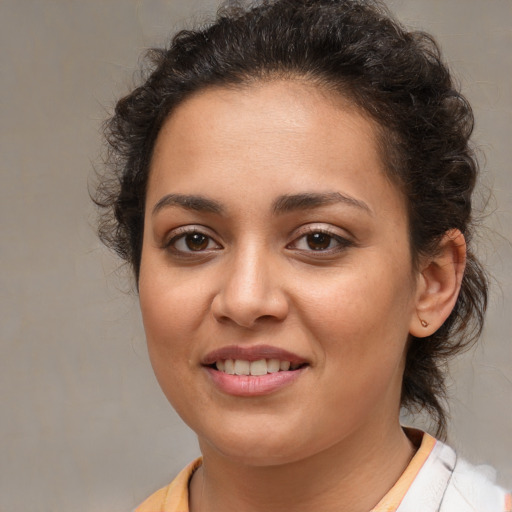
<point x="423" y="323"/>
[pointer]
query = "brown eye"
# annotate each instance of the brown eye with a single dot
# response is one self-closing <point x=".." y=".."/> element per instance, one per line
<point x="196" y="241"/>
<point x="190" y="242"/>
<point x="318" y="241"/>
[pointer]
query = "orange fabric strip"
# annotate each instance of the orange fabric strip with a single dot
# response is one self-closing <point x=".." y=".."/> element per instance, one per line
<point x="173" y="497"/>
<point x="394" y="497"/>
<point x="508" y="503"/>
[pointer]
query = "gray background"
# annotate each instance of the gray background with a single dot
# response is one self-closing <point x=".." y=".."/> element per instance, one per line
<point x="83" y="425"/>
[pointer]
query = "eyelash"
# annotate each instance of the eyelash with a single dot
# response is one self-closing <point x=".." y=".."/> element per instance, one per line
<point x="342" y="243"/>
<point x="181" y="234"/>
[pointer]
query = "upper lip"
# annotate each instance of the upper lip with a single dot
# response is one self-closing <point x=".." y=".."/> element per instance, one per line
<point x="253" y="353"/>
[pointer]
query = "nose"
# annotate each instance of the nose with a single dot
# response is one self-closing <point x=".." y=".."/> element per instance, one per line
<point x="251" y="291"/>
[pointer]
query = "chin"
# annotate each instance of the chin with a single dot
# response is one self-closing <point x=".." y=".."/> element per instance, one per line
<point x="259" y="454"/>
<point x="258" y="446"/>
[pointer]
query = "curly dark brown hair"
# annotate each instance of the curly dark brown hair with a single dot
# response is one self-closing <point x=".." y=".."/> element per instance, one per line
<point x="357" y="49"/>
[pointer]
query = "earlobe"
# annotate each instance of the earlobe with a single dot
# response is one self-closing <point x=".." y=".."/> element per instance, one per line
<point x="439" y="283"/>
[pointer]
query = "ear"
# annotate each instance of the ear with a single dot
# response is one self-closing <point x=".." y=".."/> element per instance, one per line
<point x="438" y="285"/>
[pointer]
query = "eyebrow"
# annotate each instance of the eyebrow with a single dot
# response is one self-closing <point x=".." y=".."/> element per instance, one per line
<point x="189" y="202"/>
<point x="311" y="200"/>
<point x="283" y="204"/>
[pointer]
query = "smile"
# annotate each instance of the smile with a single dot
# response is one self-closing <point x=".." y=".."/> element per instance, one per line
<point x="256" y="368"/>
<point x="251" y="371"/>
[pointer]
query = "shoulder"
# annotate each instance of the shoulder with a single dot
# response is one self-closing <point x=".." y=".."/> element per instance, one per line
<point x="473" y="489"/>
<point x="448" y="483"/>
<point x="173" y="497"/>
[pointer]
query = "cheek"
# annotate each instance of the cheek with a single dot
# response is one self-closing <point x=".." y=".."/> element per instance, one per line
<point x="359" y="326"/>
<point x="167" y="324"/>
<point x="168" y="319"/>
<point x="171" y="307"/>
<point x="360" y="314"/>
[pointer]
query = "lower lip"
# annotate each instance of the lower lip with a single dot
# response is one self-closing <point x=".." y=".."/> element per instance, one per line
<point x="253" y="385"/>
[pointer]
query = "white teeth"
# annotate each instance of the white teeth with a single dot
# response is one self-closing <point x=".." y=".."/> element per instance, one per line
<point x="284" y="366"/>
<point x="229" y="366"/>
<point x="259" y="367"/>
<point x="273" y="365"/>
<point x="242" y="367"/>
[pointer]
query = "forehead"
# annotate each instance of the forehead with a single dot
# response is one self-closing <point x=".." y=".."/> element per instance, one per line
<point x="292" y="133"/>
<point x="283" y="104"/>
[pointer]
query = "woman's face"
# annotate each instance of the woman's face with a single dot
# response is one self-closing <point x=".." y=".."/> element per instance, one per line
<point x="274" y="239"/>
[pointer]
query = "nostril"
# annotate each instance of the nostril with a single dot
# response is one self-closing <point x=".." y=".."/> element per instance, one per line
<point x="250" y="300"/>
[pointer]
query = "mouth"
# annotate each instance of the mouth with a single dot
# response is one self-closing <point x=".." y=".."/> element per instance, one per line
<point x="256" y="368"/>
<point x="253" y="371"/>
<point x="255" y="361"/>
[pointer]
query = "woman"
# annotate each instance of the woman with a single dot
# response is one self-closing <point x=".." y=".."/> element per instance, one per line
<point x="292" y="187"/>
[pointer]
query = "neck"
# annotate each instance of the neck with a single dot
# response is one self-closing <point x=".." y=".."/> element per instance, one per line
<point x="351" y="476"/>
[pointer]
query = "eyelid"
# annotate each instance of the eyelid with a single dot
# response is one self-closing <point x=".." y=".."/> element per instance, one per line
<point x="343" y="240"/>
<point x="177" y="233"/>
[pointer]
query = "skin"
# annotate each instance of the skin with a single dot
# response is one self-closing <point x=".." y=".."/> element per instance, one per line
<point x="347" y="309"/>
